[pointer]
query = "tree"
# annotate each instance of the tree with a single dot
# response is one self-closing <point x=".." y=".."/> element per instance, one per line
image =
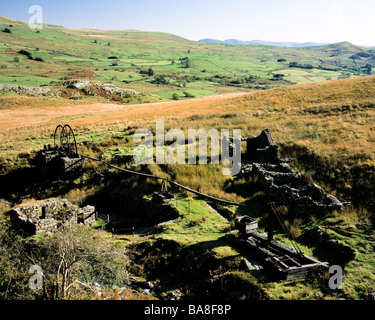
<point x="175" y="96"/>
<point x="77" y="255"/>
<point x="369" y="68"/>
<point x="187" y="63"/>
<point x="14" y="264"/>
<point x="151" y="72"/>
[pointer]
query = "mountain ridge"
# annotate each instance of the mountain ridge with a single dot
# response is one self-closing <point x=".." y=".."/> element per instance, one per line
<point x="262" y="42"/>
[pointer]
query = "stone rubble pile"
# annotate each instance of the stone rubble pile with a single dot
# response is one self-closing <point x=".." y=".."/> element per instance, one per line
<point x="283" y="184"/>
<point x="285" y="187"/>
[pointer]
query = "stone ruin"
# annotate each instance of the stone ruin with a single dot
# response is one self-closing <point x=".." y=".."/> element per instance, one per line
<point x="49" y="216"/>
<point x="50" y="160"/>
<point x="261" y="148"/>
<point x="282" y="183"/>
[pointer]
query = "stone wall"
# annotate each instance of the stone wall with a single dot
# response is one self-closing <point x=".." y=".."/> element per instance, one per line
<point x="51" y="161"/>
<point x="262" y="148"/>
<point x="285" y="186"/>
<point x="48" y="216"/>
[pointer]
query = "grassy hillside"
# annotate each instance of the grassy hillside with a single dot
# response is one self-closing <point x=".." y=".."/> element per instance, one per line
<point x="326" y="127"/>
<point x="179" y="66"/>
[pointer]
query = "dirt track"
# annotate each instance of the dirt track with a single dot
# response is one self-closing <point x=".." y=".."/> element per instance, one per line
<point x="105" y="113"/>
<point x="23" y="122"/>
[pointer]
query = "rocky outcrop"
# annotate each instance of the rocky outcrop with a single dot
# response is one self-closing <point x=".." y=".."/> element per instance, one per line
<point x="49" y="216"/>
<point x="76" y="88"/>
<point x="30" y="91"/>
<point x="102" y="89"/>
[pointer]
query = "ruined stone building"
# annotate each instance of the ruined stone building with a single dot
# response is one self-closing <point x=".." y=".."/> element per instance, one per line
<point x="49" y="216"/>
<point x="283" y="184"/>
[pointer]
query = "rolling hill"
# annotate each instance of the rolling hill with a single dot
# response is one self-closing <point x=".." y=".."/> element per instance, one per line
<point x="271" y="43"/>
<point x="180" y="68"/>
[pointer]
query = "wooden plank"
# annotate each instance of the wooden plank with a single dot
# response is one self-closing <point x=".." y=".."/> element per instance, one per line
<point x="294" y="261"/>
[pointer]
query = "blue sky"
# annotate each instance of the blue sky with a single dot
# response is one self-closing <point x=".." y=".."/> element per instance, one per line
<point x="272" y="20"/>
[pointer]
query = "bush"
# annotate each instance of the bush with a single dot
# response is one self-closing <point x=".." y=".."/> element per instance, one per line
<point x="188" y="95"/>
<point x="175" y="96"/>
<point x="6" y="30"/>
<point x="151" y="72"/>
<point x="26" y="53"/>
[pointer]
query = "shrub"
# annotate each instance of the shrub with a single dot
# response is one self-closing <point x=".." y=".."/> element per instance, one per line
<point x="151" y="72"/>
<point x="26" y="53"/>
<point x="188" y="95"/>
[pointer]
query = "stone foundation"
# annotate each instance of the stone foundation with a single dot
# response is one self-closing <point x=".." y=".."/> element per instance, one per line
<point x="48" y="216"/>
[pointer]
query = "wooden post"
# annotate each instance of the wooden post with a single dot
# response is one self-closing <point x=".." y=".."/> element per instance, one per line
<point x="270" y="225"/>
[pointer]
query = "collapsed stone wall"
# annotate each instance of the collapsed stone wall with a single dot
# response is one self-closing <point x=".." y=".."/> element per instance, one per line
<point x="262" y="148"/>
<point x="48" y="216"/>
<point x="283" y="184"/>
<point x="285" y="187"/>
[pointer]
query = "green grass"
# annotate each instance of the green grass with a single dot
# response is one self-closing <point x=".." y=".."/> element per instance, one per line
<point x="198" y="222"/>
<point x="33" y="81"/>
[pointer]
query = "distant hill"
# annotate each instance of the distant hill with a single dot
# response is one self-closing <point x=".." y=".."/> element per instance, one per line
<point x="279" y="44"/>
